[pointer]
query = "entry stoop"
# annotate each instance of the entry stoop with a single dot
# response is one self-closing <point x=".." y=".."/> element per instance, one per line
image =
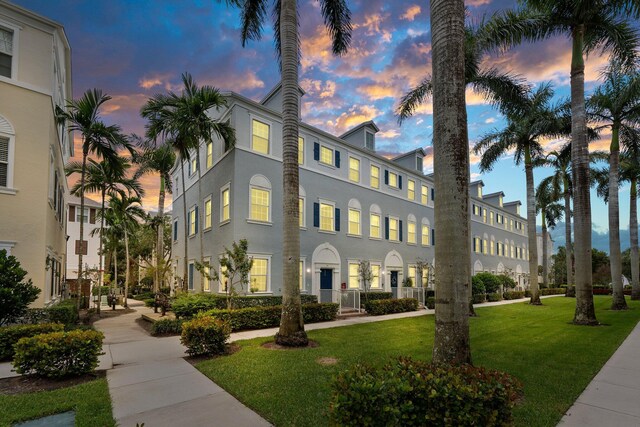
<point x="350" y="313"/>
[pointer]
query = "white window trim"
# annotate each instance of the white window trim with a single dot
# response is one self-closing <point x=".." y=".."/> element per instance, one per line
<point x="304" y="289"/>
<point x="10" y="164"/>
<point x="269" y="123"/>
<point x="268" y="258"/>
<point x="7" y="245"/>
<point x="257" y="221"/>
<point x="415" y="279"/>
<point x="359" y="160"/>
<point x="333" y="156"/>
<point x="196" y="223"/>
<point x="380" y="226"/>
<point x="414" y="189"/>
<point x="349" y="262"/>
<point x="359" y="235"/>
<point x="207" y="260"/>
<point x="333" y="225"/>
<point x="380" y="275"/>
<point x="365" y="140"/>
<point x="304" y="212"/>
<point x="397" y="186"/>
<point x="415" y="233"/>
<point x="15" y="60"/>
<point x="372" y="165"/>
<point x="193" y="279"/>
<point x="204" y="213"/>
<point x="174" y="236"/>
<point x="397" y="229"/>
<point x="206" y="155"/>
<point x="193" y="158"/>
<point x="227" y="186"/>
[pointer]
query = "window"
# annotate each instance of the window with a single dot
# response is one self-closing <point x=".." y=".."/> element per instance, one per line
<point x="393" y="179"/>
<point x="476" y="210"/>
<point x="424" y="192"/>
<point x="84" y="218"/>
<point x="513" y="251"/>
<point x="225" y="198"/>
<point x="493" y="247"/>
<point x="354" y="169"/>
<point x="477" y="245"/>
<point x="259" y="274"/>
<point x="425" y="235"/>
<point x="500" y="201"/>
<point x="259" y="210"/>
<point x="393" y="229"/>
<point x="206" y="272"/>
<point x="375" y="273"/>
<point x="260" y="137"/>
<point x="369" y="141"/>
<point x="411" y="274"/>
<point x="6" y="52"/>
<point x="301" y="213"/>
<point x="511" y="224"/>
<point x="374" y="225"/>
<point x="375" y="176"/>
<point x="419" y="164"/>
<point x="411" y="189"/>
<point x="301" y="275"/>
<point x="209" y="154"/>
<point x="326" y="217"/>
<point x="326" y="155"/>
<point x="484" y="215"/>
<point x="4" y="161"/>
<point x="411" y="232"/>
<point x="223" y="280"/>
<point x="193" y="221"/>
<point x="354" y="279"/>
<point x="191" y="273"/>
<point x="491" y="217"/>
<point x="207" y="213"/>
<point x="480" y="191"/>
<point x="300" y="150"/>
<point x="500" y="249"/>
<point x="175" y="230"/>
<point x="485" y="246"/>
<point x="193" y="165"/>
<point x="425" y="276"/>
<point x="354" y="222"/>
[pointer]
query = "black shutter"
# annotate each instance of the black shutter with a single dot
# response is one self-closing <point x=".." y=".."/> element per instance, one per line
<point x="175" y="230"/>
<point x="337" y="220"/>
<point x="386" y="227"/>
<point x="316" y="151"/>
<point x="197" y="218"/>
<point x="400" y="230"/>
<point x="72" y="213"/>
<point x="337" y="159"/>
<point x="386" y="177"/>
<point x="433" y="237"/>
<point x="433" y="194"/>
<point x="400" y="182"/>
<point x="316" y="214"/>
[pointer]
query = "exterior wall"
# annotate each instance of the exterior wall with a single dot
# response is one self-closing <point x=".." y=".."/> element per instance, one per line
<point x="92" y="258"/>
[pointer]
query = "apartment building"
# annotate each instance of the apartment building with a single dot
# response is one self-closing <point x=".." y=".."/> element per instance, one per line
<point x="91" y="246"/>
<point x="35" y="77"/>
<point x="354" y="205"/>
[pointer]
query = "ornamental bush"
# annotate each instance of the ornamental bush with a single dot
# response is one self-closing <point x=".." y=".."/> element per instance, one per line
<point x="389" y="306"/>
<point x="188" y="305"/>
<point x="478" y="298"/>
<point x="513" y="295"/>
<point x="205" y="335"/>
<point x="374" y="296"/>
<point x="15" y="293"/>
<point x="552" y="291"/>
<point x="431" y="303"/>
<point x="65" y="312"/>
<point x="58" y="354"/>
<point x="494" y="297"/>
<point x="506" y="281"/>
<point x="167" y="327"/>
<point x="10" y="335"/>
<point x="490" y="281"/>
<point x="477" y="286"/>
<point x="412" y="393"/>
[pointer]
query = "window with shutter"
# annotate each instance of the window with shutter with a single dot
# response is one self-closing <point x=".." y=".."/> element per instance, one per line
<point x="316" y="151"/>
<point x="4" y="162"/>
<point x="316" y="214"/>
<point x="6" y="52"/>
<point x="337" y="159"/>
<point x="337" y="220"/>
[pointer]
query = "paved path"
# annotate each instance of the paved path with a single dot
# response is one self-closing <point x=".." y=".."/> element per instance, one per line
<point x="151" y="383"/>
<point x="612" y="398"/>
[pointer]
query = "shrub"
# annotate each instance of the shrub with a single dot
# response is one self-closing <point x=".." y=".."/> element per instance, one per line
<point x="167" y="327"/>
<point x="506" y="281"/>
<point x="494" y="297"/>
<point x="513" y="295"/>
<point x="9" y="335"/>
<point x="552" y="291"/>
<point x="374" y="296"/>
<point x="205" y="335"/>
<point x="65" y="312"/>
<point x="478" y="298"/>
<point x="602" y="291"/>
<point x="412" y="393"/>
<point x="104" y="290"/>
<point x="144" y="296"/>
<point x="149" y="302"/>
<point x="431" y="303"/>
<point x="15" y="293"/>
<point x="188" y="305"/>
<point x="58" y="354"/>
<point x="324" y="312"/>
<point x="527" y="293"/>
<point x="477" y="286"/>
<point x="389" y="306"/>
<point x="431" y="293"/>
<point x="490" y="281"/>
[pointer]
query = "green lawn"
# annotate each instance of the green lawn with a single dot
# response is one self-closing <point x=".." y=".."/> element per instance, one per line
<point x="90" y="401"/>
<point x="554" y="359"/>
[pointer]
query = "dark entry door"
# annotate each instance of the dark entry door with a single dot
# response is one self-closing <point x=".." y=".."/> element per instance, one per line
<point x="326" y="284"/>
<point x="394" y="283"/>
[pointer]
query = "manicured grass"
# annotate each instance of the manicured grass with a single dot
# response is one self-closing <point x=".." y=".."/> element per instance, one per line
<point x="553" y="358"/>
<point x="90" y="401"/>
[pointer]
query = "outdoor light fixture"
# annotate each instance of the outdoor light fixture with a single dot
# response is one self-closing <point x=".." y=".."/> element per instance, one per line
<point x="308" y="270"/>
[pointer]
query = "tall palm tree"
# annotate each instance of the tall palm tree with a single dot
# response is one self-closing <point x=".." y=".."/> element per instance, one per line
<point x="591" y="25"/>
<point x="182" y="120"/>
<point x="127" y="211"/>
<point x="157" y="160"/>
<point x="107" y="177"/>
<point x="616" y="104"/>
<point x="112" y="238"/>
<point x="98" y="139"/>
<point x="531" y="120"/>
<point x="551" y="212"/>
<point x="496" y="86"/>
<point x="337" y="19"/>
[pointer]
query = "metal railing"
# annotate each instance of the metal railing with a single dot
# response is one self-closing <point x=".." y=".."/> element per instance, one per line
<point x="349" y="299"/>
<point x="417" y="293"/>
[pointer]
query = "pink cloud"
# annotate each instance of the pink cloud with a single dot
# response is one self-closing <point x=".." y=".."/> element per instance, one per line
<point x="411" y="13"/>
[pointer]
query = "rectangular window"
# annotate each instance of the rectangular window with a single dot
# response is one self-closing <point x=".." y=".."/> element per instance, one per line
<point x="419" y="164"/>
<point x="193" y="165"/>
<point x="175" y="230"/>
<point x="411" y="274"/>
<point x="354" y="169"/>
<point x="425" y="235"/>
<point x="301" y="275"/>
<point x="369" y="142"/>
<point x="6" y="52"/>
<point x="191" y="274"/>
<point x="354" y="279"/>
<point x="224" y="205"/>
<point x="326" y="155"/>
<point x="374" y="227"/>
<point x="477" y="245"/>
<point x="193" y="222"/>
<point x="259" y="274"/>
<point x="326" y="217"/>
<point x="485" y="246"/>
<point x="411" y="189"/>
<point x="354" y="222"/>
<point x="491" y="217"/>
<point x="300" y="150"/>
<point x="206" y="270"/>
<point x="393" y="179"/>
<point x="393" y="229"/>
<point x="301" y="211"/>
<point x="375" y="176"/>
<point x="207" y="213"/>
<point x="511" y="224"/>
<point x="259" y="210"/>
<point x="513" y="251"/>
<point x="84" y="218"/>
<point x="411" y="232"/>
<point x="484" y="215"/>
<point x="375" y="279"/>
<point x="480" y="191"/>
<point x="424" y="194"/>
<point x="493" y="248"/>
<point x="260" y="137"/>
<point x="4" y="162"/>
<point x="209" y="154"/>
<point x="476" y="210"/>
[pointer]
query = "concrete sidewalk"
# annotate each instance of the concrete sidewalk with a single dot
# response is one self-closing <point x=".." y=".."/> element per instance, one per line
<point x="612" y="398"/>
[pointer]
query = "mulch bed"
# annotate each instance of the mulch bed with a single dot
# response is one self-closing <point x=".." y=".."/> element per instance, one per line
<point x="31" y="383"/>
<point x="271" y="345"/>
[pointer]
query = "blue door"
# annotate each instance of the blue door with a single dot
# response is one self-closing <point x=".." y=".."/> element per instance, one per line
<point x="394" y="283"/>
<point x="326" y="284"/>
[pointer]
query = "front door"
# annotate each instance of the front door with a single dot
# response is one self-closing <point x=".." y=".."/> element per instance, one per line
<point x="394" y="283"/>
<point x="326" y="284"/>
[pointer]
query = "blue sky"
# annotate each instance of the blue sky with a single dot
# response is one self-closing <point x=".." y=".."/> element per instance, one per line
<point x="133" y="49"/>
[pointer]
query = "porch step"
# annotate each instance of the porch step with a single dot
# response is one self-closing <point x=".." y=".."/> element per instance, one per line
<point x="346" y="314"/>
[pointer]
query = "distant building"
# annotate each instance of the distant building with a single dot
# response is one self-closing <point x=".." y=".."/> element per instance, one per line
<point x="549" y="248"/>
<point x="91" y="257"/>
<point x="35" y="78"/>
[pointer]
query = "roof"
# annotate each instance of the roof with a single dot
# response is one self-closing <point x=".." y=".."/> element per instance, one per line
<point x="515" y="202"/>
<point x="490" y="195"/>
<point x="361" y="125"/>
<point x="478" y="182"/>
<point x="409" y="153"/>
<point x="275" y="90"/>
<point x="73" y="200"/>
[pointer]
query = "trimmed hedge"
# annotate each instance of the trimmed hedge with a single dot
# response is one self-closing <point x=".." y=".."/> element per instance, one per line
<point x="494" y="297"/>
<point x="513" y="295"/>
<point x="553" y="291"/>
<point x="413" y="393"/>
<point x="431" y="303"/>
<point x="374" y="296"/>
<point x="188" y="305"/>
<point x="205" y="335"/>
<point x="58" y="354"/>
<point x="478" y="298"/>
<point x="10" y="335"/>
<point x="602" y="291"/>
<point x="389" y="306"/>
<point x="477" y="286"/>
<point x="490" y="281"/>
<point x="65" y="312"/>
<point x="167" y="327"/>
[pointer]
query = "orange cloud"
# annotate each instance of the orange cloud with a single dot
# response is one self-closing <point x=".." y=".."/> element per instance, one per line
<point x="390" y="134"/>
<point x="375" y="91"/>
<point x="319" y="88"/>
<point x="477" y="2"/>
<point x="411" y="13"/>
<point x="356" y="115"/>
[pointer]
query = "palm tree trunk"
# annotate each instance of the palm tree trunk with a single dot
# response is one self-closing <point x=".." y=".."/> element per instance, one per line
<point x="633" y="232"/>
<point x="85" y="153"/>
<point x="567" y="235"/>
<point x="615" y="257"/>
<point x="160" y="236"/>
<point x="291" y="332"/>
<point x="126" y="274"/>
<point x="200" y="223"/>
<point x="185" y="263"/>
<point x="101" y="275"/>
<point x="545" y="249"/>
<point x="115" y="266"/>
<point x="531" y="228"/>
<point x="585" y="313"/>
<point x="451" y="167"/>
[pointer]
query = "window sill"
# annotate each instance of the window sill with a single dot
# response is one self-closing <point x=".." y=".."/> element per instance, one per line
<point x="321" y="163"/>
<point x="255" y="221"/>
<point x="326" y="231"/>
<point x="191" y="236"/>
<point x="7" y="190"/>
<point x="205" y="230"/>
<point x="412" y="244"/>
<point x="357" y="236"/>
<point x="225" y="222"/>
<point x="375" y="238"/>
<point x="303" y="228"/>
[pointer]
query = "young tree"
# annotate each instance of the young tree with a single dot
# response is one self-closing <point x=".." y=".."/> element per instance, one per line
<point x="366" y="276"/>
<point x="235" y="266"/>
<point x="15" y="293"/>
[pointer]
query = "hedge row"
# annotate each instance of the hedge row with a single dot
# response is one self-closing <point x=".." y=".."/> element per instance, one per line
<point x="374" y="296"/>
<point x="431" y="302"/>
<point x="389" y="306"/>
<point x="188" y="305"/>
<point x="10" y="335"/>
<point x="513" y="295"/>
<point x="167" y="327"/>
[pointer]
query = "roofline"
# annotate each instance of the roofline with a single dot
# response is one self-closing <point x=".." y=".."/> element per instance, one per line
<point x="275" y="89"/>
<point x="494" y="194"/>
<point x="479" y="181"/>
<point x="32" y="14"/>
<point x="408" y="153"/>
<point x="363" y="124"/>
<point x="515" y="202"/>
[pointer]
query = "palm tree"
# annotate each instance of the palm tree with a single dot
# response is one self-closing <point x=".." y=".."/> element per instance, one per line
<point x="127" y="211"/>
<point x="592" y="25"/>
<point x="159" y="161"/>
<point x="496" y="86"/>
<point x="183" y="121"/>
<point x="107" y="177"/>
<point x="561" y="183"/>
<point x="337" y="18"/>
<point x="451" y="164"/>
<point x="112" y="238"/>
<point x="615" y="103"/>
<point x="551" y="212"/>
<point x="98" y="139"/>
<point x="531" y="120"/>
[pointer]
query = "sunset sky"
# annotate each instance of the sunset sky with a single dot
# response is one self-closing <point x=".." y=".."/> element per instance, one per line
<point x="134" y="49"/>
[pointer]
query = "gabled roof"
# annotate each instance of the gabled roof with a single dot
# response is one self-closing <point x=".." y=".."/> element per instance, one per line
<point x="88" y="203"/>
<point x="409" y="153"/>
<point x="477" y="182"/>
<point x="277" y="89"/>
<point x="490" y="195"/>
<point x="514" y="203"/>
<point x="361" y="125"/>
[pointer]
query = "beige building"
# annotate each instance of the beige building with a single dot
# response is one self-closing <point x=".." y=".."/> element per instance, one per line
<point x="35" y="77"/>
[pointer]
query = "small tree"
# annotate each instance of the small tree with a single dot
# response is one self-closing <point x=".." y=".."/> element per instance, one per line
<point x="366" y="276"/>
<point x="15" y="293"/>
<point x="235" y="266"/>
<point x="421" y="267"/>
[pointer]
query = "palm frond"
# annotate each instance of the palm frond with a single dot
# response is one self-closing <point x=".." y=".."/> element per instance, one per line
<point x="413" y="99"/>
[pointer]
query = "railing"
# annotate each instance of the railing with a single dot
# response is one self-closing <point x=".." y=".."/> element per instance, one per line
<point x="417" y="293"/>
<point x="349" y="299"/>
